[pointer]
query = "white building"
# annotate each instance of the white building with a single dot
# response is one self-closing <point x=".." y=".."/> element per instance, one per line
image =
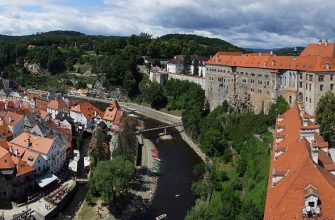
<point x="44" y="154"/>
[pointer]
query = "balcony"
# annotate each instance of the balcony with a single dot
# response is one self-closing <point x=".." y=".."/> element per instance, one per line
<point x="311" y="212"/>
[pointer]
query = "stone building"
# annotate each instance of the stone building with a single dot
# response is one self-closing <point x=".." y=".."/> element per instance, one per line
<point x="255" y="80"/>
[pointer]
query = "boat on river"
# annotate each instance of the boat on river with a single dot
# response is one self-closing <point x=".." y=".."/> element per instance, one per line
<point x="160" y="217"/>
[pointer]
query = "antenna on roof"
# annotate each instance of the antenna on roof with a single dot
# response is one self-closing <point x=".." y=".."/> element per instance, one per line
<point x="320" y="41"/>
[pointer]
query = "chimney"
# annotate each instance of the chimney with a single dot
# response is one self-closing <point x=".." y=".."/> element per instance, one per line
<point x="320" y="42"/>
<point x="315" y="154"/>
<point x="326" y="42"/>
<point x="28" y="142"/>
<point x="271" y="52"/>
<point x="6" y="105"/>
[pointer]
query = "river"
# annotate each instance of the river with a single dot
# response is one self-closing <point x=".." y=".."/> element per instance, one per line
<point x="173" y="195"/>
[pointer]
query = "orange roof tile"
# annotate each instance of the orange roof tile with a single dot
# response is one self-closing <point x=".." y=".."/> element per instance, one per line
<point x="4" y="144"/>
<point x="113" y="113"/>
<point x="55" y="104"/>
<point x="319" y="50"/>
<point x="37" y="143"/>
<point x="6" y="161"/>
<point x="285" y="200"/>
<point x="22" y="167"/>
<point x="314" y="58"/>
<point x="41" y="105"/>
<point x="87" y="109"/>
<point x="10" y="118"/>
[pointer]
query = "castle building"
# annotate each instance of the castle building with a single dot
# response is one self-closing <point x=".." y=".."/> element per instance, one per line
<point x="256" y="80"/>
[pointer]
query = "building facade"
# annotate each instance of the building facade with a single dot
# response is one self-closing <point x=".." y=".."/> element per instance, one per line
<point x="255" y="80"/>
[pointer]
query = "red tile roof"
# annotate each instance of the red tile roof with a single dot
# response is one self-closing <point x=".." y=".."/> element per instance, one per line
<point x="314" y="58"/>
<point x="22" y="167"/>
<point x="37" y="143"/>
<point x="59" y="105"/>
<point x="6" y="161"/>
<point x="87" y="109"/>
<point x="113" y="113"/>
<point x="286" y="200"/>
<point x="319" y="50"/>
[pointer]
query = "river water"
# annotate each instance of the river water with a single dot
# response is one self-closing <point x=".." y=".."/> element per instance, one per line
<point x="173" y="195"/>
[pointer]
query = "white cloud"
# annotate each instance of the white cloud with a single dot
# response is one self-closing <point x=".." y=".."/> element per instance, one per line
<point x="256" y="23"/>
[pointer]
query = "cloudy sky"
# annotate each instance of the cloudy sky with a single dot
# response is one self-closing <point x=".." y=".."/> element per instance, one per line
<point x="245" y="23"/>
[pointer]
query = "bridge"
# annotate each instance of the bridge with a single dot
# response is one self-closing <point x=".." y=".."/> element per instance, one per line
<point x="161" y="127"/>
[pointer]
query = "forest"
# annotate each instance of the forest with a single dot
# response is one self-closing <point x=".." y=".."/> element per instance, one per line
<point x="113" y="59"/>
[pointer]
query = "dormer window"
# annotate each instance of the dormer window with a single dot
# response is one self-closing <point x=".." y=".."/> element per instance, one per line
<point x="280" y="137"/>
<point x="279" y="151"/>
<point x="311" y="196"/>
<point x="277" y="176"/>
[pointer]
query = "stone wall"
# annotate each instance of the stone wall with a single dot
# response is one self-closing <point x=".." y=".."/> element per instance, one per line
<point x="162" y="77"/>
<point x="196" y="79"/>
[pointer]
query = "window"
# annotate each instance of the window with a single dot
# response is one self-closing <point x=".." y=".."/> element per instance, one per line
<point x="310" y="100"/>
<point x="306" y="76"/>
<point x="300" y="85"/>
<point x="310" y="77"/>
<point x="306" y="99"/>
<point x="310" y="87"/>
<point x="331" y="77"/>
<point x="300" y="75"/>
<point x="321" y="78"/>
<point x="306" y="87"/>
<point x="268" y="83"/>
<point x="321" y="87"/>
<point x="332" y="86"/>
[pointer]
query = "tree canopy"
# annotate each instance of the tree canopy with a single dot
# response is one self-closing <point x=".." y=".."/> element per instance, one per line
<point x="111" y="178"/>
<point x="325" y="116"/>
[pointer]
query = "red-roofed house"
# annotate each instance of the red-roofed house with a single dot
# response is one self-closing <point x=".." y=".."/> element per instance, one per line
<point x="42" y="153"/>
<point x="16" y="176"/>
<point x="85" y="115"/>
<point x="56" y="106"/>
<point x="113" y="115"/>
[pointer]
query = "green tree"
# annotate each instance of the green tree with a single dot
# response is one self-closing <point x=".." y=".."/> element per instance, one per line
<point x="111" y="178"/>
<point x="325" y="116"/>
<point x="97" y="148"/>
<point x="187" y="62"/>
<point x="152" y="93"/>
<point x="279" y="107"/>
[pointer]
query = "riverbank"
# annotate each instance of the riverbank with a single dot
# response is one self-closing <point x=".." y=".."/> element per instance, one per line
<point x="168" y="119"/>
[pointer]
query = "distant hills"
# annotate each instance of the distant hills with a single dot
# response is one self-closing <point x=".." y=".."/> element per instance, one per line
<point x="287" y="51"/>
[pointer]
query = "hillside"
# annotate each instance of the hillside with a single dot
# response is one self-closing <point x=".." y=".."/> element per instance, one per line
<point x="214" y="43"/>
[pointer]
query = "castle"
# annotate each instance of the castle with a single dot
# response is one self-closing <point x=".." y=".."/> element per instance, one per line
<point x="255" y="80"/>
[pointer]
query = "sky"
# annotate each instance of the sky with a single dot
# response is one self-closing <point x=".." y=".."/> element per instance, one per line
<point x="245" y="23"/>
